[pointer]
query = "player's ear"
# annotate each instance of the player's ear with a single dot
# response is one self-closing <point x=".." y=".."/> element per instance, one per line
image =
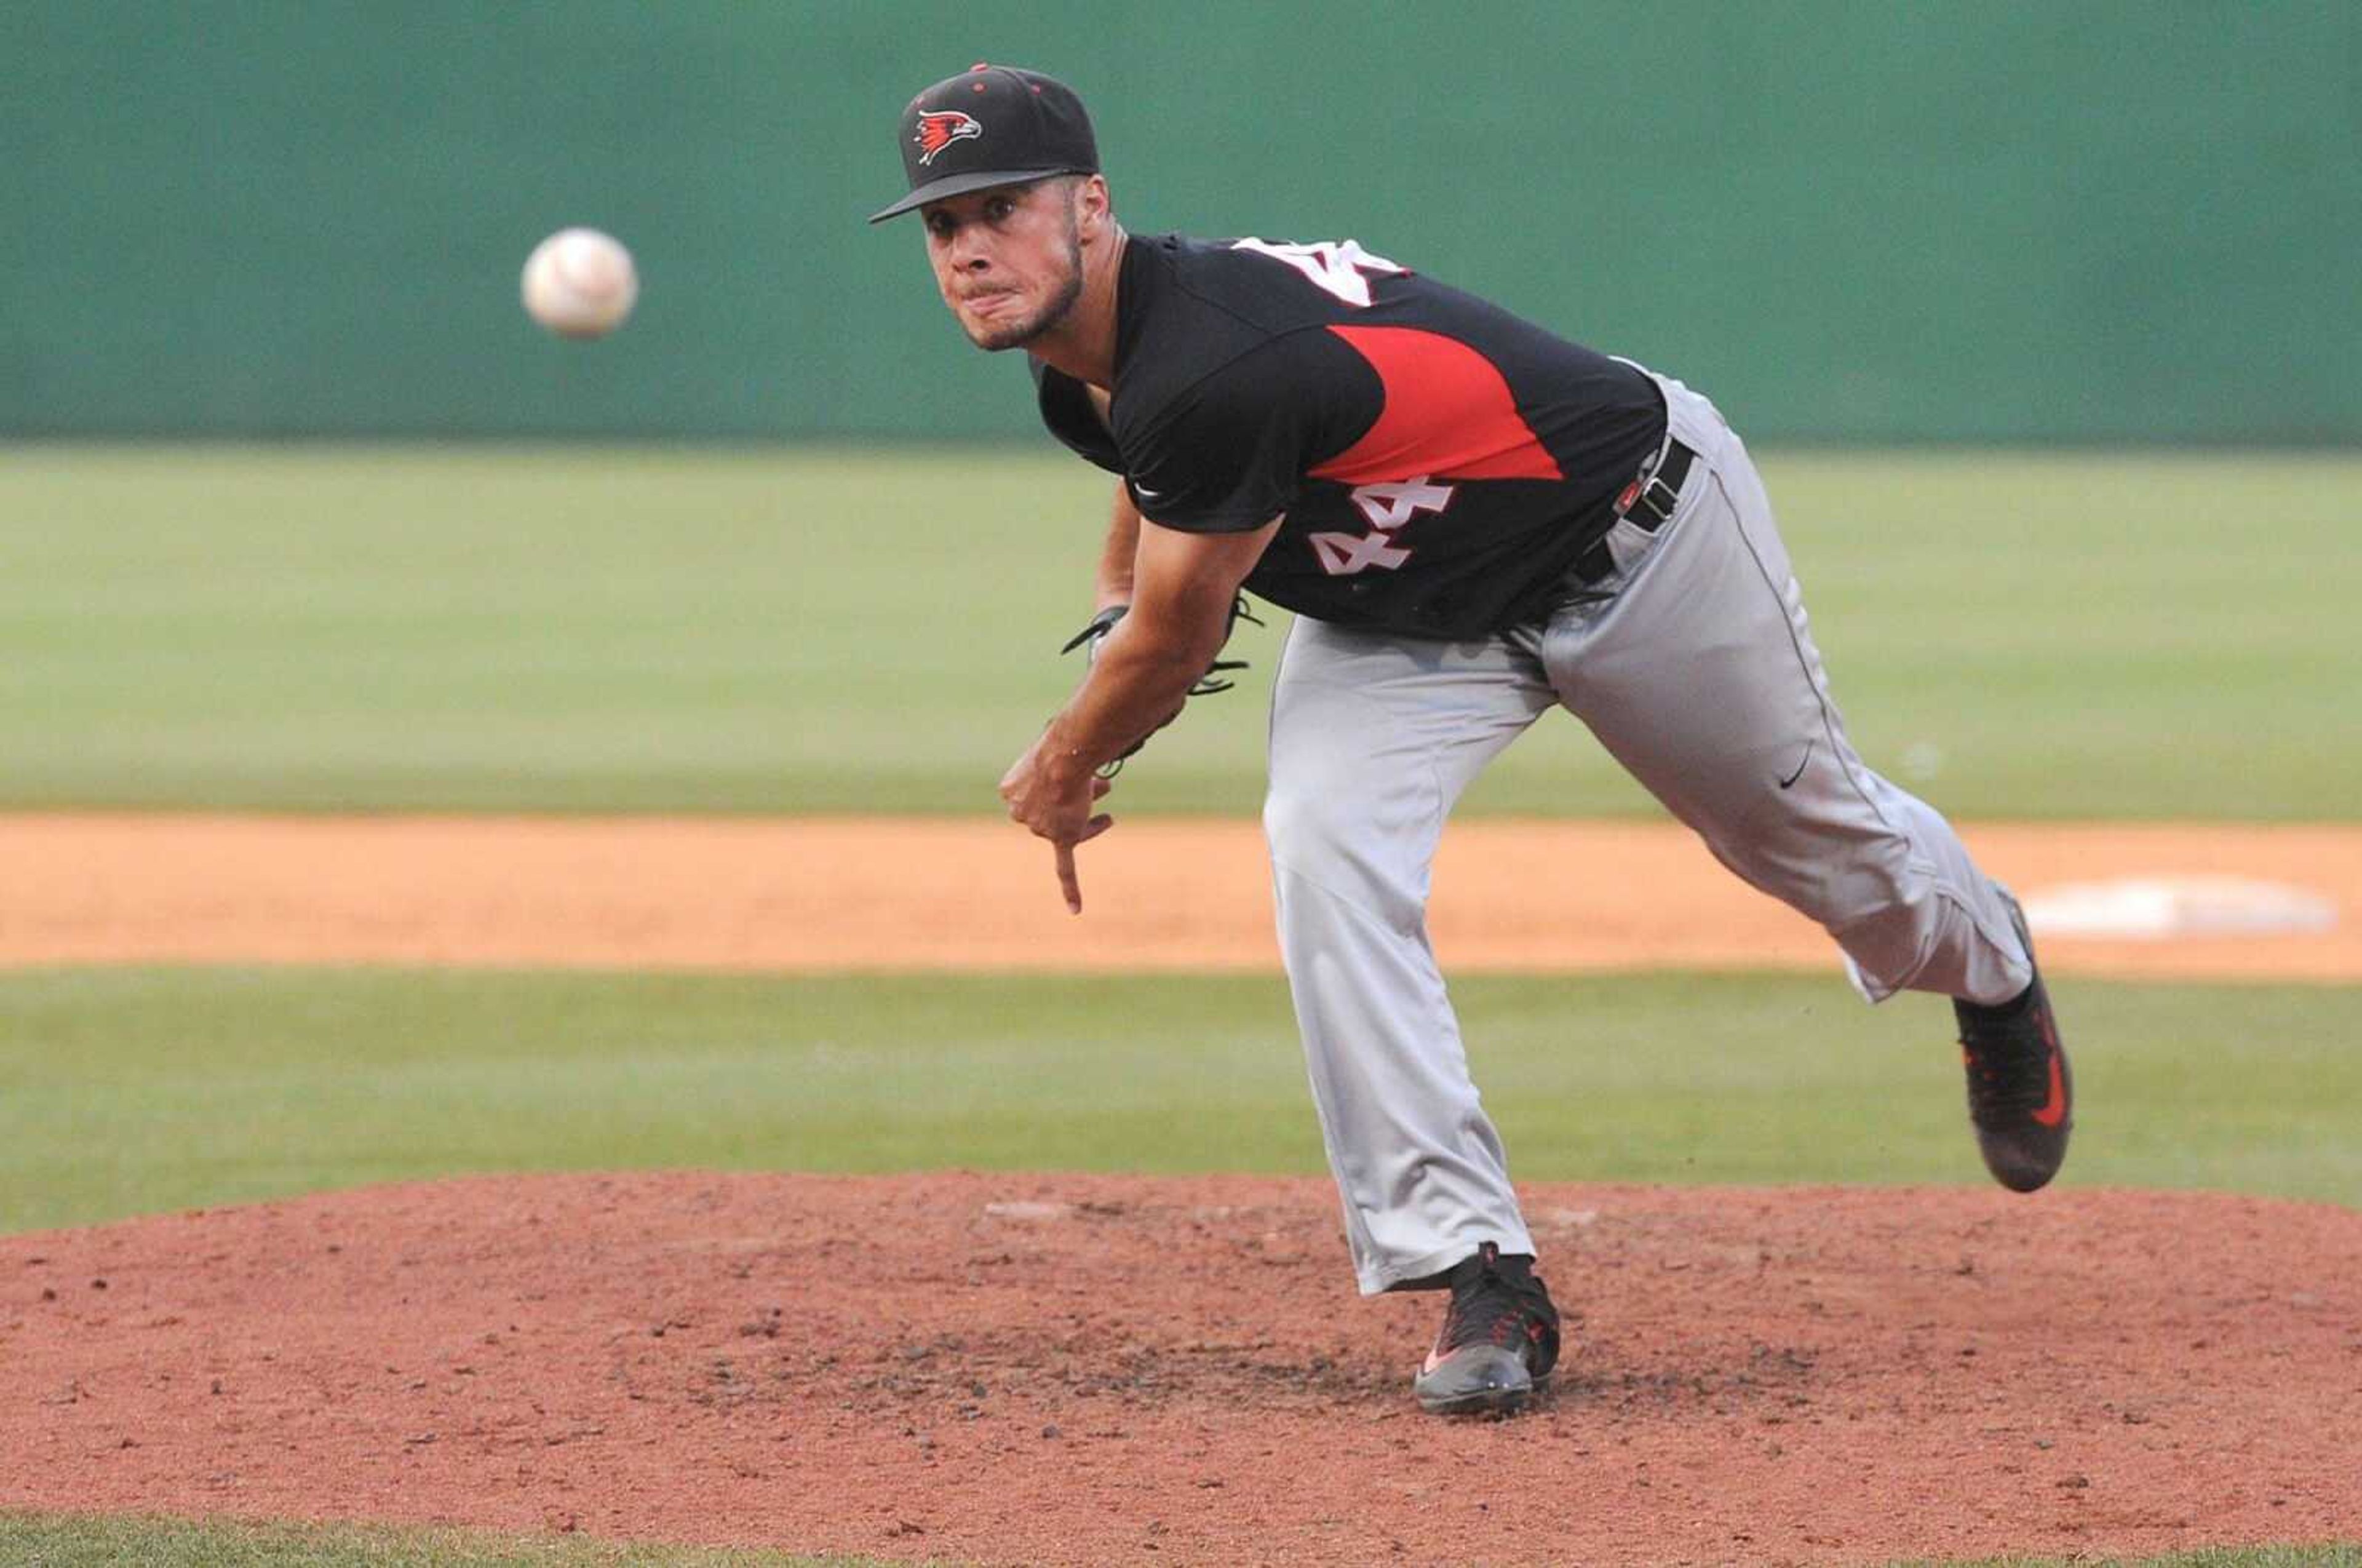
<point x="1093" y="210"/>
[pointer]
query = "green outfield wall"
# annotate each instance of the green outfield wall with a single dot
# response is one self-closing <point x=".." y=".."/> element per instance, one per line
<point x="1993" y="220"/>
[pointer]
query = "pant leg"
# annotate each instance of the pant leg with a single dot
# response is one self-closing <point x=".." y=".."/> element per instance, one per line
<point x="1700" y="676"/>
<point x="1372" y="741"/>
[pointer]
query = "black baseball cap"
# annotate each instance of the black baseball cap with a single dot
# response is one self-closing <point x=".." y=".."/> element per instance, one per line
<point x="991" y="125"/>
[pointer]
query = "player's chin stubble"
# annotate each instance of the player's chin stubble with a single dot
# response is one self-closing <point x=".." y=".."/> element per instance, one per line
<point x="1015" y="333"/>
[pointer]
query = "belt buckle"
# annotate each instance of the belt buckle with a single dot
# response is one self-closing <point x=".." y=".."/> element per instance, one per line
<point x="1648" y="497"/>
<point x="1644" y="491"/>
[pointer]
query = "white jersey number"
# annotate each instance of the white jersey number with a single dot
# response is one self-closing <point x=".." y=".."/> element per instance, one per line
<point x="1388" y="507"/>
<point x="1340" y="267"/>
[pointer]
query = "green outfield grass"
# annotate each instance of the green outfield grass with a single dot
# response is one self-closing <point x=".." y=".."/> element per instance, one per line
<point x="799" y="630"/>
<point x="123" y="1092"/>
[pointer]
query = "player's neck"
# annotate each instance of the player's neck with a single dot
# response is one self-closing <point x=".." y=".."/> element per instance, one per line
<point x="1083" y="346"/>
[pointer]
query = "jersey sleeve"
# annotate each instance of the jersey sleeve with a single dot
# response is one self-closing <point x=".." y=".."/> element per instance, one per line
<point x="1227" y="454"/>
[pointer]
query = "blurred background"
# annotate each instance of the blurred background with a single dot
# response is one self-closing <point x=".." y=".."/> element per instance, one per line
<point x="1854" y="220"/>
<point x="2044" y="319"/>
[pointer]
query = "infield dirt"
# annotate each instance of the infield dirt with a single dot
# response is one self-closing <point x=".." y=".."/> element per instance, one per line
<point x="755" y="894"/>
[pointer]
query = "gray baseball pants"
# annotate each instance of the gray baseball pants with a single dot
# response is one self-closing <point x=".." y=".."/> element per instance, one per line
<point x="1694" y="666"/>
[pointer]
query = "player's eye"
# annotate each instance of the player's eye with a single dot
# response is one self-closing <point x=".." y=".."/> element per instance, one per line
<point x="938" y="225"/>
<point x="998" y="208"/>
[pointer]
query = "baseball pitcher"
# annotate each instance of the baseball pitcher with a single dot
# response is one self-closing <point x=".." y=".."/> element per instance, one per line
<point x="1474" y="521"/>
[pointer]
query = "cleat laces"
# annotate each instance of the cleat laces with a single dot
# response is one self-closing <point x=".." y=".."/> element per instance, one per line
<point x="1495" y="1307"/>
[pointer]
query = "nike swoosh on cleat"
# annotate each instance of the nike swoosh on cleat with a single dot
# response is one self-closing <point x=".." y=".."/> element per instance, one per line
<point x="2052" y="1113"/>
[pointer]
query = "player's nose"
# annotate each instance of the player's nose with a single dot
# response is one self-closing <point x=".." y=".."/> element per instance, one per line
<point x="970" y="251"/>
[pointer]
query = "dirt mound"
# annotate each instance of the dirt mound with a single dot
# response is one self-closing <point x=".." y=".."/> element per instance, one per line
<point x="1093" y="1369"/>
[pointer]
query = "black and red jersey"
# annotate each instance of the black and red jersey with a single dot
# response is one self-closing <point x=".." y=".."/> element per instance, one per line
<point x="1440" y="462"/>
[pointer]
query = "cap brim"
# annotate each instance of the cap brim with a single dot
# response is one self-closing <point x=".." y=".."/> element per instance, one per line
<point x="961" y="185"/>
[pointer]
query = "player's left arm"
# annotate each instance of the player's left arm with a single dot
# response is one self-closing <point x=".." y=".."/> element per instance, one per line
<point x="1182" y="589"/>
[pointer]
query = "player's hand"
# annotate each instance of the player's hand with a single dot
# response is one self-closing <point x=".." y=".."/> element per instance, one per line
<point x="1058" y="809"/>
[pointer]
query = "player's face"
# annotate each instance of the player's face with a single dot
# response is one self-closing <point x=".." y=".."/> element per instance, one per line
<point x="1009" y="259"/>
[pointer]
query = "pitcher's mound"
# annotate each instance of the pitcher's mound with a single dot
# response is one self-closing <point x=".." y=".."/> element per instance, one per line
<point x="1095" y="1369"/>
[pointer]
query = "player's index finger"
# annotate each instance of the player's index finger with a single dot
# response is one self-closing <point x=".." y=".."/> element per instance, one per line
<point x="1068" y="882"/>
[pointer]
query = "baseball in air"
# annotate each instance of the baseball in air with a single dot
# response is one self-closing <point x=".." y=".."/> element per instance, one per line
<point x="581" y="282"/>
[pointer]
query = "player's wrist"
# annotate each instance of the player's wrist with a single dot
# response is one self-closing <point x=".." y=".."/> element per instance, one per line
<point x="1061" y="757"/>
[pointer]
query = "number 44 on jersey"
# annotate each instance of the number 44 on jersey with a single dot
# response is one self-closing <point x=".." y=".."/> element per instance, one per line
<point x="1341" y="267"/>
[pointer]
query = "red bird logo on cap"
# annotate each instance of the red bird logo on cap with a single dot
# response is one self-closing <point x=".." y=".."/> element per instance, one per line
<point x="939" y="130"/>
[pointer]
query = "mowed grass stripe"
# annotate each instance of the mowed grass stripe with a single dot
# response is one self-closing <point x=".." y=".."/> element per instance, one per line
<point x="807" y="629"/>
<point x="131" y="1091"/>
<point x="71" y="1541"/>
<point x="48" y="1540"/>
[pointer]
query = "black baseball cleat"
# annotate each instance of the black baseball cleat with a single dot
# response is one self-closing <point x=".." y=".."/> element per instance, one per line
<point x="2021" y="1096"/>
<point x="1499" y="1339"/>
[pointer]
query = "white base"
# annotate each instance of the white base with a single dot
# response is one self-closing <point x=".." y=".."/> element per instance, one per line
<point x="2162" y="908"/>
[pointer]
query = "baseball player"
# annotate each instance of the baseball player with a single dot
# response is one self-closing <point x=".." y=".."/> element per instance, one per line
<point x="1474" y="521"/>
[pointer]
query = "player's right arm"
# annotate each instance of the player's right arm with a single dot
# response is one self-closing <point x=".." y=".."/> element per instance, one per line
<point x="1217" y="465"/>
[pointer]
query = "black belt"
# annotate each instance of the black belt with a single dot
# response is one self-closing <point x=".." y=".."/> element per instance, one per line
<point x="1647" y="502"/>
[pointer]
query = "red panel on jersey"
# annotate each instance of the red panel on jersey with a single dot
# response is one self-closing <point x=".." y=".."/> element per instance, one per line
<point x="1449" y="414"/>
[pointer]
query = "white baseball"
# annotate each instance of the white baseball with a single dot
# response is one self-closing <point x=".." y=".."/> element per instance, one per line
<point x="581" y="282"/>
